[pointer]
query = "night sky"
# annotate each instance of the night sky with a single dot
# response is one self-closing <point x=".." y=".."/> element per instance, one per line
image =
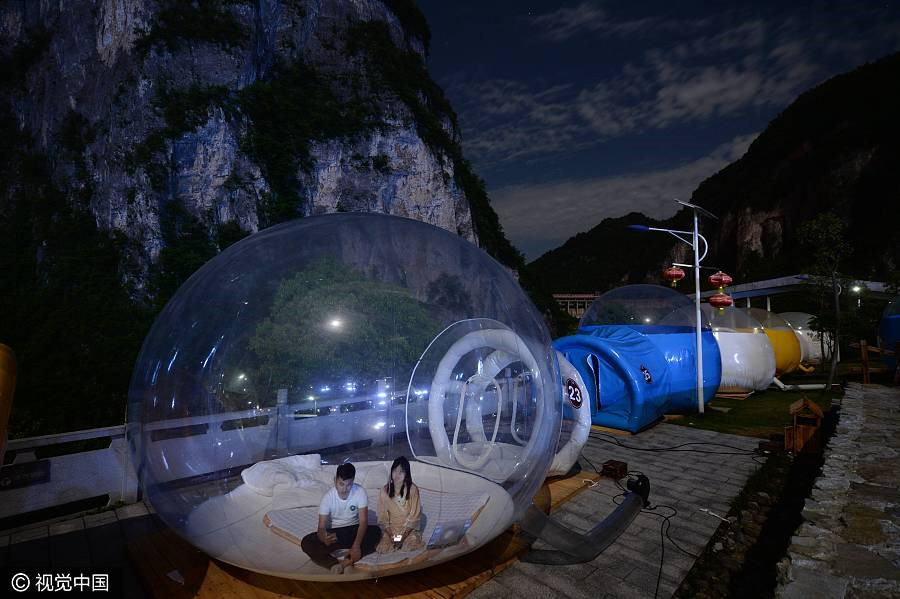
<point x="577" y="111"/>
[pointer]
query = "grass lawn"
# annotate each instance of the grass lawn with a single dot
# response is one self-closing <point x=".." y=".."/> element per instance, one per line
<point x="760" y="415"/>
<point x="767" y="412"/>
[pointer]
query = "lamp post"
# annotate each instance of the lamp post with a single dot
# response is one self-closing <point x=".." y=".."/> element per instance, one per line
<point x="694" y="243"/>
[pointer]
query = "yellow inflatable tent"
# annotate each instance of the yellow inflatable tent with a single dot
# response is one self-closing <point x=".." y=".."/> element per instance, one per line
<point x="781" y="336"/>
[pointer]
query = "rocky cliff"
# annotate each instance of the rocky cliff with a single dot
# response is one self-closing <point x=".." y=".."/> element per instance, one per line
<point x="240" y="113"/>
<point x="140" y="137"/>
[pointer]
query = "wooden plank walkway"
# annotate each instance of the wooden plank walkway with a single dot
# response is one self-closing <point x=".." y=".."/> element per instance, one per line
<point x="161" y="558"/>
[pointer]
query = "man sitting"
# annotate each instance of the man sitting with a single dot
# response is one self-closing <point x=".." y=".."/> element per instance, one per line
<point x="343" y="524"/>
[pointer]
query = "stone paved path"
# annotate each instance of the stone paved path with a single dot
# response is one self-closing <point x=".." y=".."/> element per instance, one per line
<point x="686" y="480"/>
<point x="849" y="544"/>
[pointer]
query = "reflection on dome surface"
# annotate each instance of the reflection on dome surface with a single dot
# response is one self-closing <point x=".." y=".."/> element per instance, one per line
<point x="343" y="338"/>
<point x="641" y="306"/>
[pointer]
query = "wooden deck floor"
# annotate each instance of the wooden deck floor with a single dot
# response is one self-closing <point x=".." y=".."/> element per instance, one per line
<point x="170" y="568"/>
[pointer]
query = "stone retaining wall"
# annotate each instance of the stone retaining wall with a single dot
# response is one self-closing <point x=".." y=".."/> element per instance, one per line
<point x="849" y="542"/>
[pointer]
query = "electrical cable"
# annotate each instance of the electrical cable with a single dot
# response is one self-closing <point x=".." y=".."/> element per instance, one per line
<point x="662" y="558"/>
<point x="739" y="450"/>
<point x="753" y="454"/>
<point x="662" y="542"/>
<point x="666" y="520"/>
<point x="664" y="528"/>
<point x="591" y="464"/>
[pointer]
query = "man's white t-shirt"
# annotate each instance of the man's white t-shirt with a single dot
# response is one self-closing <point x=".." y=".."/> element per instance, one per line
<point x="344" y="512"/>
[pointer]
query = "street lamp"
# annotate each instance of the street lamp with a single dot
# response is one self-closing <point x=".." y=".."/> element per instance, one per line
<point x="694" y="243"/>
<point x="857" y="290"/>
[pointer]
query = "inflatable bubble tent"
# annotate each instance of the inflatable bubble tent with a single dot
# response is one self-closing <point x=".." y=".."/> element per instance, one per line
<point x="748" y="360"/>
<point x="343" y="338"/>
<point x="814" y="346"/>
<point x="889" y="330"/>
<point x="781" y="335"/>
<point x="636" y="352"/>
<point x="642" y="306"/>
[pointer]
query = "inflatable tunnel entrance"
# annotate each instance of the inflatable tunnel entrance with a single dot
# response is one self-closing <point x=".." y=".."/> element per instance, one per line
<point x="635" y="376"/>
<point x="636" y="351"/>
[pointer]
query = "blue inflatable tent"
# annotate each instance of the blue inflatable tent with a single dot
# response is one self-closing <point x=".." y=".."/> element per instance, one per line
<point x="889" y="331"/>
<point x="635" y="350"/>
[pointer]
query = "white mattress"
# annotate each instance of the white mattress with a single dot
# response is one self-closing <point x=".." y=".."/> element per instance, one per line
<point x="230" y="527"/>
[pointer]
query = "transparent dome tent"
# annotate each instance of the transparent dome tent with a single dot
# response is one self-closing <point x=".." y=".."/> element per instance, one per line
<point x="889" y="331"/>
<point x="782" y="337"/>
<point x="748" y="360"/>
<point x="343" y="338"/>
<point x="814" y="346"/>
<point x="636" y="351"/>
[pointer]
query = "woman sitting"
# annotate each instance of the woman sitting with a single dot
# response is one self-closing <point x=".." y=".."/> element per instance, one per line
<point x="399" y="511"/>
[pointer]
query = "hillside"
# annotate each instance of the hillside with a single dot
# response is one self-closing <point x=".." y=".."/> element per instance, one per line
<point x="834" y="149"/>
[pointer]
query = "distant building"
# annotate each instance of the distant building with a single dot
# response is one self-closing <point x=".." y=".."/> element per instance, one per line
<point x="792" y="283"/>
<point x="575" y="303"/>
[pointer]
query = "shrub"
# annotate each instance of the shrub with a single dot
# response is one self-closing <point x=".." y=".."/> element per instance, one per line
<point x="292" y="108"/>
<point x="198" y="20"/>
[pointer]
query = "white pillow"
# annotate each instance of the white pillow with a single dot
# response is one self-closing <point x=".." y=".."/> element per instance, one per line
<point x="264" y="477"/>
<point x="309" y="461"/>
<point x="311" y="483"/>
<point x="284" y="473"/>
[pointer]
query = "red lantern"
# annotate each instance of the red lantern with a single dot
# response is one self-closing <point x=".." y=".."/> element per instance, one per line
<point x="673" y="274"/>
<point x="720" y="280"/>
<point x="721" y="300"/>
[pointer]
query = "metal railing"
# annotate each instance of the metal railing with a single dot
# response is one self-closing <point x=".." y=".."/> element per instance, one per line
<point x="31" y="485"/>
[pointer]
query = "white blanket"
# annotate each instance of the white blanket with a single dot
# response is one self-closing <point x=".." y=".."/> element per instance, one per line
<point x="292" y="472"/>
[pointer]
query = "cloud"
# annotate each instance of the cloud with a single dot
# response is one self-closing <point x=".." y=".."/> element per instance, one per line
<point x="537" y="218"/>
<point x="724" y="67"/>
<point x="521" y="122"/>
<point x="567" y="22"/>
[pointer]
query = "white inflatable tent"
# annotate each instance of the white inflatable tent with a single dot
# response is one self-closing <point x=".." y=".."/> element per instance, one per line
<point x="748" y="361"/>
<point x="811" y="342"/>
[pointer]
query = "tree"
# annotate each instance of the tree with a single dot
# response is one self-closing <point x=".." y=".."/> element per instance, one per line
<point x="825" y="242"/>
<point x="331" y="323"/>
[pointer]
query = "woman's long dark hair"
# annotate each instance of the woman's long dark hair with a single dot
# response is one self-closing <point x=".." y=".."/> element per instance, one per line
<point x="407" y="484"/>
